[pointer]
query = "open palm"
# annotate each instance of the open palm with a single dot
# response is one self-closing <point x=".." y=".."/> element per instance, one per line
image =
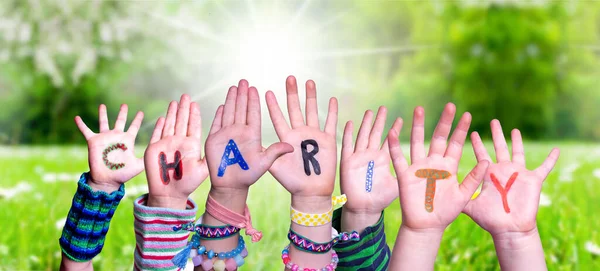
<point x="422" y="209"/>
<point x="290" y="170"/>
<point x="111" y="152"/>
<point x="176" y="137"/>
<point x="240" y="120"/>
<point x="368" y="157"/>
<point x="518" y="210"/>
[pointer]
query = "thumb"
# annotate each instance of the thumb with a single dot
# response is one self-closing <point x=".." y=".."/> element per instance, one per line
<point x="472" y="181"/>
<point x="275" y="151"/>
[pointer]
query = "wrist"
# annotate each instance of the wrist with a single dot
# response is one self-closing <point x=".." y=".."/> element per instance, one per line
<point x="424" y="234"/>
<point x="516" y="240"/>
<point x="233" y="199"/>
<point x="107" y="187"/>
<point x="167" y="202"/>
<point x="312" y="204"/>
<point x="358" y="221"/>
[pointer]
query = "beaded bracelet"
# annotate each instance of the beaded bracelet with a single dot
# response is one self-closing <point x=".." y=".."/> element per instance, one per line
<point x="208" y="258"/>
<point x="307" y="245"/>
<point x="313" y="220"/>
<point x="285" y="257"/>
<point x="209" y="232"/>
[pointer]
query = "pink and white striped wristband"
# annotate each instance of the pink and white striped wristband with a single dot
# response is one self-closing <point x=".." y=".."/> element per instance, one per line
<point x="156" y="241"/>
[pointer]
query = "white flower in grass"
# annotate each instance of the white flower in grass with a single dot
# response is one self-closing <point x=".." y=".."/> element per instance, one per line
<point x="455" y="259"/>
<point x="553" y="258"/>
<point x="566" y="174"/>
<point x="592" y="248"/>
<point x="9" y="193"/>
<point x="60" y="223"/>
<point x="34" y="259"/>
<point x="545" y="200"/>
<point x="127" y="250"/>
<point x="3" y="250"/>
<point x="136" y="191"/>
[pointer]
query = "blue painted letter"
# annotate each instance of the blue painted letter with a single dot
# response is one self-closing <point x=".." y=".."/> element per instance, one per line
<point x="237" y="158"/>
<point x="369" y="182"/>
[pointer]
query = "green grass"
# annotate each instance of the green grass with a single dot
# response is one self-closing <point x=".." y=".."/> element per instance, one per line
<point x="29" y="235"/>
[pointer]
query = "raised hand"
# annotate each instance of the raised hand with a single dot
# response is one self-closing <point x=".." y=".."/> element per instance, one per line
<point x="508" y="203"/>
<point x="430" y="195"/>
<point x="510" y="194"/>
<point x="174" y="164"/>
<point x="110" y="152"/>
<point x="234" y="151"/>
<point x="365" y="172"/>
<point x="310" y="169"/>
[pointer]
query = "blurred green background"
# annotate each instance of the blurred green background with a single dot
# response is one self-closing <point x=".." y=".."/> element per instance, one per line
<point x="534" y="65"/>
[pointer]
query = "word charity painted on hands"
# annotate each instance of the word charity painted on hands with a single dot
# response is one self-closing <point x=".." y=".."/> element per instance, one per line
<point x="504" y="190"/>
<point x="176" y="166"/>
<point x="432" y="175"/>
<point x="369" y="182"/>
<point x="237" y="158"/>
<point x="309" y="157"/>
<point x="109" y="164"/>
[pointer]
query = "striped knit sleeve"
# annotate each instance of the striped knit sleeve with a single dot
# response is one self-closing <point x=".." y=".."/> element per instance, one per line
<point x="156" y="242"/>
<point x="370" y="253"/>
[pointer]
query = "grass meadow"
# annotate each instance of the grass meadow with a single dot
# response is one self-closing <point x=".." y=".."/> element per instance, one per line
<point x="37" y="185"/>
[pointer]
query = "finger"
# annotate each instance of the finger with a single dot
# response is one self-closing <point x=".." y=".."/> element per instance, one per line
<point x="398" y="159"/>
<point x="121" y="118"/>
<point x="87" y="133"/>
<point x="457" y="140"/>
<point x="362" y="139"/>
<point x="397" y="127"/>
<point x="502" y="154"/>
<point x="377" y="130"/>
<point x="548" y="164"/>
<point x="160" y="123"/>
<point x="472" y="181"/>
<point x="183" y="116"/>
<point x="103" y="119"/>
<point x="417" y="136"/>
<point x="241" y="102"/>
<point x="134" y="127"/>
<point x="169" y="128"/>
<point x="229" y="108"/>
<point x="442" y="130"/>
<point x="293" y="102"/>
<point x="275" y="151"/>
<point x="518" y="151"/>
<point x="253" y="117"/>
<point x="312" y="110"/>
<point x="479" y="149"/>
<point x="195" y="122"/>
<point x="216" y="124"/>
<point x="347" y="148"/>
<point x="332" y="117"/>
<point x="279" y="123"/>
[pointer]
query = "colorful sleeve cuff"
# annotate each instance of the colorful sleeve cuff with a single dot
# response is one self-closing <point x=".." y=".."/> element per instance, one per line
<point x="370" y="253"/>
<point x="156" y="241"/>
<point x="88" y="221"/>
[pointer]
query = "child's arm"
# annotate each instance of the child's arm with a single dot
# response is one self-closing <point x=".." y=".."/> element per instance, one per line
<point x="366" y="180"/>
<point x="112" y="163"/>
<point x="430" y="195"/>
<point x="508" y="204"/>
<point x="174" y="169"/>
<point x="308" y="173"/>
<point x="236" y="160"/>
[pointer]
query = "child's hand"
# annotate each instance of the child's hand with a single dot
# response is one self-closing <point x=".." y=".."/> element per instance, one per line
<point x="308" y="173"/>
<point x="110" y="152"/>
<point x="430" y="195"/>
<point x="234" y="151"/>
<point x="365" y="170"/>
<point x="174" y="164"/>
<point x="510" y="194"/>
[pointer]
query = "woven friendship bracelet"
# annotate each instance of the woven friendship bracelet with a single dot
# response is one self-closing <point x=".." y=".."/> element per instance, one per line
<point x="313" y="220"/>
<point x="209" y="232"/>
<point x="305" y="244"/>
<point x="88" y="221"/>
